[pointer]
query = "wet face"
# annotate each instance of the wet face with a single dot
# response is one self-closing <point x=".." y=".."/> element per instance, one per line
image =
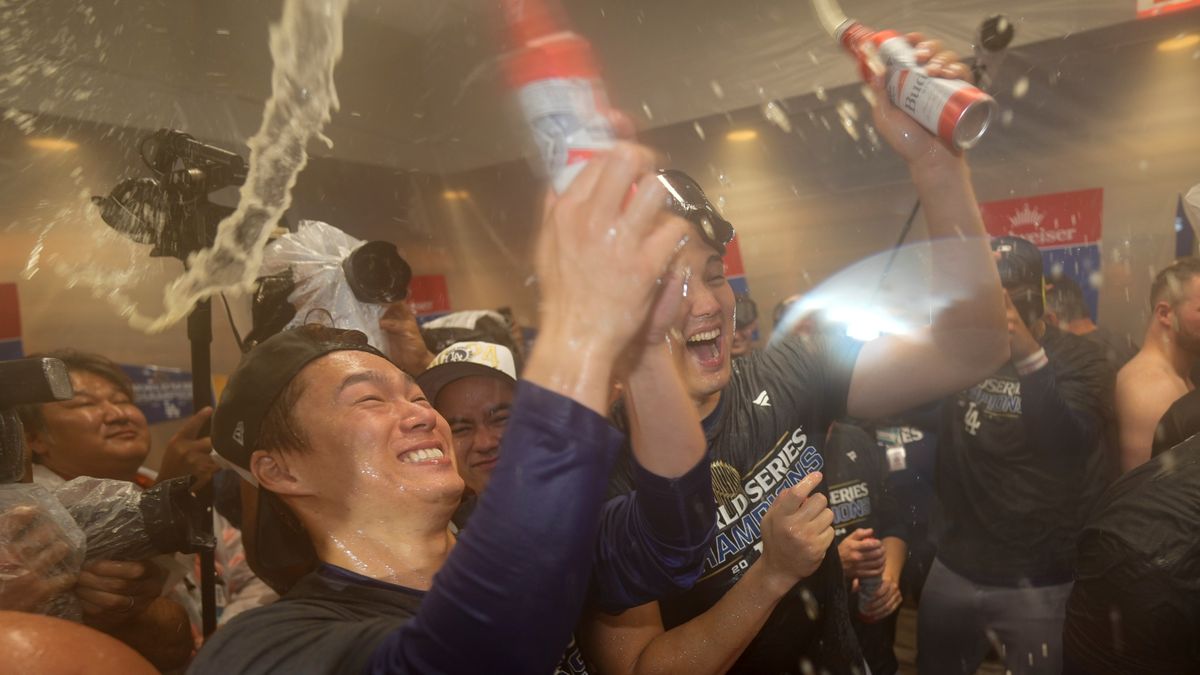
<point x="477" y="409"/>
<point x="375" y="443"/>
<point x="98" y="433"/>
<point x="707" y="326"/>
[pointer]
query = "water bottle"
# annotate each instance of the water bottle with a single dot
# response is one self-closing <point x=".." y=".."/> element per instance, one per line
<point x="955" y="111"/>
<point x="558" y="87"/>
<point x="867" y="587"/>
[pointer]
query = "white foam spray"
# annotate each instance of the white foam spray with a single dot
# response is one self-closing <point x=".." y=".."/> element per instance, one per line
<point x="306" y="45"/>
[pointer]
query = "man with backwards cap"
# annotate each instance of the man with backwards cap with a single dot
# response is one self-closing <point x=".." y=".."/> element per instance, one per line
<point x="771" y="598"/>
<point x="473" y="384"/>
<point x="1018" y="467"/>
<point x="353" y="464"/>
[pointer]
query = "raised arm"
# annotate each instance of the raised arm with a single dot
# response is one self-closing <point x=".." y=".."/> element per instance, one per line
<point x="536" y="525"/>
<point x="654" y="538"/>
<point x="797" y="531"/>
<point x="967" y="341"/>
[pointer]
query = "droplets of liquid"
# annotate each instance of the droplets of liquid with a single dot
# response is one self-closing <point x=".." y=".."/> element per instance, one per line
<point x="1020" y="87"/>
<point x="306" y="46"/>
<point x="716" y="89"/>
<point x="647" y="111"/>
<point x="698" y="129"/>
<point x="1006" y="117"/>
<point x="811" y="608"/>
<point x="820" y="93"/>
<point x="776" y="115"/>
<point x="848" y="114"/>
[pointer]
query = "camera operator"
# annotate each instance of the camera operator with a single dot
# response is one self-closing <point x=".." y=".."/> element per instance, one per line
<point x="100" y="433"/>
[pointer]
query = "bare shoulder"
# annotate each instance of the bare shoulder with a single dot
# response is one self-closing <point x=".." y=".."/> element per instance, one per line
<point x="1149" y="380"/>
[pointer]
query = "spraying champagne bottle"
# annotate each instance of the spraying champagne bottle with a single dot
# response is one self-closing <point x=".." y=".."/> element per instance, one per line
<point x="558" y="88"/>
<point x="955" y="111"/>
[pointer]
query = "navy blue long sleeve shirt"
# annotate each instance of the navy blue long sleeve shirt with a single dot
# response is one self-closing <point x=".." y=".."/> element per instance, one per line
<point x="509" y="594"/>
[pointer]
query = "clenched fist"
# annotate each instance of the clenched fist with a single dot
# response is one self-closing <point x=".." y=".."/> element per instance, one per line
<point x="797" y="531"/>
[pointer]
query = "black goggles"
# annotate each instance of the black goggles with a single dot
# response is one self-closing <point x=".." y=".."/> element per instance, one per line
<point x="687" y="200"/>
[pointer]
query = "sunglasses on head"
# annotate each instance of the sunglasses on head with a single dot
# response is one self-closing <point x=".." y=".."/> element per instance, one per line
<point x="688" y="201"/>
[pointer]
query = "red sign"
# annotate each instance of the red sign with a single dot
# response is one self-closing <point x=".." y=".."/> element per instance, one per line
<point x="733" y="259"/>
<point x="10" y="313"/>
<point x="1149" y="8"/>
<point x="427" y="294"/>
<point x="1050" y="221"/>
<point x="10" y="323"/>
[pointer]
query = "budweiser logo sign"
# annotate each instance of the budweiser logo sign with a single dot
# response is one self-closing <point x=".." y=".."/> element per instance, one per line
<point x="1053" y="220"/>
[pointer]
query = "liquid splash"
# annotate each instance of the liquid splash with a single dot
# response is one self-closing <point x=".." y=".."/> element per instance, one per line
<point x="306" y="45"/>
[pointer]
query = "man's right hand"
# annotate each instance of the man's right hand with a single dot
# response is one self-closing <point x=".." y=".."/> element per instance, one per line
<point x="599" y="258"/>
<point x="600" y="255"/>
<point x="862" y="554"/>
<point x="797" y="531"/>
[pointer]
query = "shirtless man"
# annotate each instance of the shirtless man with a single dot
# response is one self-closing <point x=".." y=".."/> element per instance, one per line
<point x="1160" y="373"/>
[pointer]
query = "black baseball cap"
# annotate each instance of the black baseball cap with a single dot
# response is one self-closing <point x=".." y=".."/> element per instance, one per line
<point x="261" y="376"/>
<point x="1018" y="261"/>
<point x="688" y="201"/>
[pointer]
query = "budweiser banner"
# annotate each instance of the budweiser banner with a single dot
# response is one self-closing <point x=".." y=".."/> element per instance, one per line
<point x="1064" y="225"/>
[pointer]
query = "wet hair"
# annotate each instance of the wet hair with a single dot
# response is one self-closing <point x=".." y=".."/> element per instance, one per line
<point x="76" y="362"/>
<point x="1065" y="299"/>
<point x="1168" y="283"/>
<point x="281" y="428"/>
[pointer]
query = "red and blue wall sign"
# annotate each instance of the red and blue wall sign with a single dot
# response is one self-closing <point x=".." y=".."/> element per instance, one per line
<point x="1066" y="226"/>
<point x="10" y="323"/>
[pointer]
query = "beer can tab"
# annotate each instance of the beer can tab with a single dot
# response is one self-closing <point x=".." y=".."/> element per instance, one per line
<point x="897" y="458"/>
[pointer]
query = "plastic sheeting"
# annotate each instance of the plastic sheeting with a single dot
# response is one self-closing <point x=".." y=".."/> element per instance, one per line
<point x="30" y="518"/>
<point x="314" y="253"/>
<point x="1135" y="607"/>
<point x="110" y="515"/>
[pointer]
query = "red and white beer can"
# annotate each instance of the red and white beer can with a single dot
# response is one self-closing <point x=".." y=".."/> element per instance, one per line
<point x="957" y="112"/>
<point x="558" y="87"/>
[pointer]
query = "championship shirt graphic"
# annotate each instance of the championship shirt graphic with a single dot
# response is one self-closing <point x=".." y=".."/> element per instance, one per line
<point x="850" y="503"/>
<point x="744" y="500"/>
<point x="994" y="397"/>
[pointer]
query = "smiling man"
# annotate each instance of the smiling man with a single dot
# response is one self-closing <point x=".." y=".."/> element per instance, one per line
<point x="355" y="468"/>
<point x="771" y="599"/>
<point x="472" y="385"/>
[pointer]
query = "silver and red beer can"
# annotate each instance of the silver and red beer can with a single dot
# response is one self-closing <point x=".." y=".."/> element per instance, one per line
<point x="955" y="111"/>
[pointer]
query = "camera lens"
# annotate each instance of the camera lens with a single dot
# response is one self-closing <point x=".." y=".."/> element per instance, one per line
<point x="376" y="273"/>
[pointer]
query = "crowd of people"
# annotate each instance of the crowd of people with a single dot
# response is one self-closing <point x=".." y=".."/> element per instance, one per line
<point x="645" y="491"/>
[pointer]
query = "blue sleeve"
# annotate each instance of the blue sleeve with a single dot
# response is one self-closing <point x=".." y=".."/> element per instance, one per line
<point x="653" y="540"/>
<point x="508" y="597"/>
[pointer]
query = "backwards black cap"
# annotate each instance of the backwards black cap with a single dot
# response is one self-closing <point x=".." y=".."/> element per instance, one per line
<point x="687" y="199"/>
<point x="1020" y="265"/>
<point x="281" y="546"/>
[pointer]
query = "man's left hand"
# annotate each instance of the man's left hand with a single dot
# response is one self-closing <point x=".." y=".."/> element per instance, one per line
<point x="886" y="600"/>
<point x="187" y="455"/>
<point x="113" y="592"/>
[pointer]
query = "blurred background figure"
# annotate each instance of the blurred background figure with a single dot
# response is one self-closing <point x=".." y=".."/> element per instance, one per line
<point x="1066" y="308"/>
<point x="1135" y="607"/>
<point x="1161" y="372"/>
<point x="1017" y="468"/>
<point x="745" y="326"/>
<point x="49" y="646"/>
